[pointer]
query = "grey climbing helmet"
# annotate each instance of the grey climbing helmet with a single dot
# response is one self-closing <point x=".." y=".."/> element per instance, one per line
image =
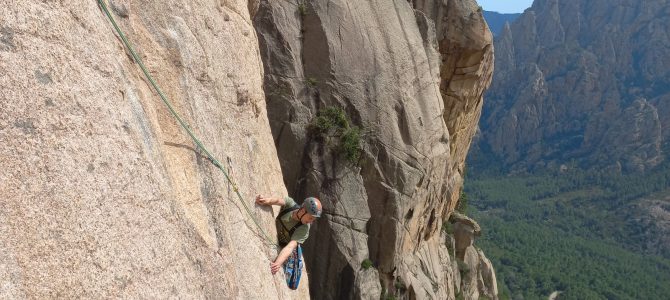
<point x="312" y="206"/>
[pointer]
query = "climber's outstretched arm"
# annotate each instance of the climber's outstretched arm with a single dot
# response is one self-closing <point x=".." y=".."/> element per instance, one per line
<point x="261" y="200"/>
<point x="283" y="256"/>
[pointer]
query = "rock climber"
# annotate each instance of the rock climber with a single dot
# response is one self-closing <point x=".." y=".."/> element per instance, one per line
<point x="293" y="223"/>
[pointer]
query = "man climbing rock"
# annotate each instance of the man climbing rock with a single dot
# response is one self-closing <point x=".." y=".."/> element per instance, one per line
<point x="293" y="224"/>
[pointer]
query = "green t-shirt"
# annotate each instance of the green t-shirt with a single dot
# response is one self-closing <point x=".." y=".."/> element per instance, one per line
<point x="301" y="232"/>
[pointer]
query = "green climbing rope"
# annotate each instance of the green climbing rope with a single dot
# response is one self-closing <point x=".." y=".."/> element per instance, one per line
<point x="180" y="120"/>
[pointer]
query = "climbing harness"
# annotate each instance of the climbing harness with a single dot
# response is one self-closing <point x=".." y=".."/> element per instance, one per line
<point x="293" y="265"/>
<point x="181" y="121"/>
<point x="285" y="235"/>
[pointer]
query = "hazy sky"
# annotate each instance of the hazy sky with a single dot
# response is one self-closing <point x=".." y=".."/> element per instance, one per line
<point x="505" y="6"/>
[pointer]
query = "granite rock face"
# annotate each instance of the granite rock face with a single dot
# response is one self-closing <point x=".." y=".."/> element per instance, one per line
<point x="477" y="277"/>
<point x="103" y="194"/>
<point x="412" y="75"/>
<point x="582" y="81"/>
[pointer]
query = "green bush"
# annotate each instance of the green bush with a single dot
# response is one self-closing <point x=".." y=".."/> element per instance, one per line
<point x="447" y="227"/>
<point x="462" y="205"/>
<point x="331" y="121"/>
<point x="366" y="264"/>
<point x="332" y="125"/>
<point x="462" y="266"/>
<point x="350" y="144"/>
<point x="311" y="81"/>
<point x="399" y="286"/>
<point x="302" y="9"/>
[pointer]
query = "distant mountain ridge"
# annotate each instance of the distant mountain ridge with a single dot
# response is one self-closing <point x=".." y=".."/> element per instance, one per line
<point x="581" y="83"/>
<point x="497" y="20"/>
<point x="570" y="171"/>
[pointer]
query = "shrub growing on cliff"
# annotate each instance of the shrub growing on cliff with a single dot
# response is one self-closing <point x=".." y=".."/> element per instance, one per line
<point x="462" y="205"/>
<point x="448" y="227"/>
<point x="330" y="120"/>
<point x="399" y="286"/>
<point x="311" y="81"/>
<point x="462" y="267"/>
<point x="332" y="125"/>
<point x="350" y="144"/>
<point x="366" y="264"/>
<point x="302" y="9"/>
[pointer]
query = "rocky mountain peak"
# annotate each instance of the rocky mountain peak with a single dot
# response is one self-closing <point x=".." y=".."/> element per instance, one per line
<point x="569" y="76"/>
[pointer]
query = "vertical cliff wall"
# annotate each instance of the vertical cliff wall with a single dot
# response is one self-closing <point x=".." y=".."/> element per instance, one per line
<point x="103" y="195"/>
<point x="412" y="74"/>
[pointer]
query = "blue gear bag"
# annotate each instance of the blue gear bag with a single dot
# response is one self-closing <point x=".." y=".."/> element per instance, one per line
<point x="293" y="268"/>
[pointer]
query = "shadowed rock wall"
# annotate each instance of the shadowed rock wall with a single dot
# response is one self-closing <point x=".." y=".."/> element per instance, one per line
<point x="412" y="75"/>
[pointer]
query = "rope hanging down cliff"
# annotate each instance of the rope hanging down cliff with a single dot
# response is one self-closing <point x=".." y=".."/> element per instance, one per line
<point x="181" y="121"/>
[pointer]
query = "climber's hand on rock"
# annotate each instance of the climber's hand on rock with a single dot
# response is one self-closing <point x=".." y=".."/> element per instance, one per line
<point x="260" y="200"/>
<point x="274" y="267"/>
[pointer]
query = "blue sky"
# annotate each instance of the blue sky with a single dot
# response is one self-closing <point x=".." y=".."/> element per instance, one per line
<point x="505" y="6"/>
